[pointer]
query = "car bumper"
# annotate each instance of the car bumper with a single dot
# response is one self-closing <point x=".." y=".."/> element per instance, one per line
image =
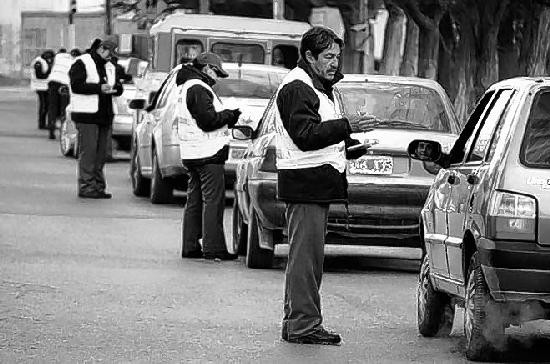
<point x="516" y="271"/>
<point x="122" y="125"/>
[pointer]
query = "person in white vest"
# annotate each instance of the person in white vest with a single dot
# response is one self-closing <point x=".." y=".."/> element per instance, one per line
<point x="41" y="67"/>
<point x="312" y="142"/>
<point x="204" y="146"/>
<point x="93" y="85"/>
<point x="59" y="77"/>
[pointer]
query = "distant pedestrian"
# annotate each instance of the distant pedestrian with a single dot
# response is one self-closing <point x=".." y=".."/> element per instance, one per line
<point x="204" y="147"/>
<point x="311" y="164"/>
<point x="58" y="84"/>
<point x="41" y="67"/>
<point x="93" y="84"/>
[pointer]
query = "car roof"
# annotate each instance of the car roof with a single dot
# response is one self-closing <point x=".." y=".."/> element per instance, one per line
<point x="230" y="24"/>
<point x="521" y="83"/>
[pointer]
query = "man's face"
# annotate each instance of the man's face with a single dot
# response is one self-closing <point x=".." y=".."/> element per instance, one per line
<point x="104" y="53"/>
<point x="326" y="64"/>
<point x="210" y="71"/>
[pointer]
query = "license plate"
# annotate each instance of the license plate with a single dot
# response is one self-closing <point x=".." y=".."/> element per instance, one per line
<point x="371" y="164"/>
<point x="237" y="153"/>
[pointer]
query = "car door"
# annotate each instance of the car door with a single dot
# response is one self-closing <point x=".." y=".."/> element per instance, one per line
<point x="159" y="113"/>
<point x="466" y="177"/>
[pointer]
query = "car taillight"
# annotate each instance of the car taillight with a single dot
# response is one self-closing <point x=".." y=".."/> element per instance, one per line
<point x="269" y="160"/>
<point x="512" y="216"/>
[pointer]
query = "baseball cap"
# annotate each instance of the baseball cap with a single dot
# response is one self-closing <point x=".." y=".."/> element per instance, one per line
<point x="110" y="42"/>
<point x="213" y="60"/>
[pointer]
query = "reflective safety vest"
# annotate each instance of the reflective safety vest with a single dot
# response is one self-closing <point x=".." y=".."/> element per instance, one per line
<point x="61" y="66"/>
<point x="289" y="156"/>
<point x="39" y="84"/>
<point x="196" y="143"/>
<point x="89" y="104"/>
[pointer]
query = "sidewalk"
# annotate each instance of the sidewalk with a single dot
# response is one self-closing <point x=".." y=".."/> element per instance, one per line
<point x="8" y="93"/>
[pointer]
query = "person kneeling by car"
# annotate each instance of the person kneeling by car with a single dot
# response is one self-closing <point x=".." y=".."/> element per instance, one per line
<point x="204" y="148"/>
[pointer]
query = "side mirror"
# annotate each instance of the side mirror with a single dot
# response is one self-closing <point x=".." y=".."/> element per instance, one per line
<point x="242" y="132"/>
<point x="137" y="104"/>
<point x="424" y="150"/>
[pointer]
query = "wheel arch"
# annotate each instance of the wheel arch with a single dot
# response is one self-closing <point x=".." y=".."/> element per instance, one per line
<point x="469" y="248"/>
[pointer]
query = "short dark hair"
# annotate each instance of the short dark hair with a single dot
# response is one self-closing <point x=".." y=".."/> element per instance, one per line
<point x="62" y="50"/>
<point x="317" y="39"/>
<point x="75" y="52"/>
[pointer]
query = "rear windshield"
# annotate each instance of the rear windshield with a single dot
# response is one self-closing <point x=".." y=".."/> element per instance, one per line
<point x="396" y="106"/>
<point x="234" y="52"/>
<point x="248" y="84"/>
<point x="535" y="148"/>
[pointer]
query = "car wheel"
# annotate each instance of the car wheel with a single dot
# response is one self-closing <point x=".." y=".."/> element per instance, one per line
<point x="256" y="257"/>
<point x="239" y="230"/>
<point x="65" y="145"/>
<point x="483" y="325"/>
<point x="140" y="185"/>
<point x="435" y="312"/>
<point x="161" y="189"/>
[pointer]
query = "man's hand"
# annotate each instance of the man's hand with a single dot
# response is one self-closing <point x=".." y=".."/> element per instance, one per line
<point x="236" y="113"/>
<point x="106" y="89"/>
<point x="361" y="122"/>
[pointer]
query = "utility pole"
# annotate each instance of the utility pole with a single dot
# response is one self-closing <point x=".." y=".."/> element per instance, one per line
<point x="108" y="17"/>
<point x="278" y="9"/>
<point x="204" y="6"/>
<point x="71" y="29"/>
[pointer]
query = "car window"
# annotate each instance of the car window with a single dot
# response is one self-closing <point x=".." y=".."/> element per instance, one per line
<point x="168" y="87"/>
<point x="267" y="124"/>
<point x="246" y="83"/>
<point x="492" y="118"/>
<point x="397" y="106"/>
<point x="243" y="53"/>
<point x="535" y="147"/>
<point x="187" y="50"/>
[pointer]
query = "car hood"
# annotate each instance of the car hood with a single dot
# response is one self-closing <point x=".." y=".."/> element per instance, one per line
<point x="398" y="140"/>
<point x="251" y="109"/>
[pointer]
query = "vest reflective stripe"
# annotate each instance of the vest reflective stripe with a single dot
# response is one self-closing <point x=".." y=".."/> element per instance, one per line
<point x="39" y="84"/>
<point x="289" y="156"/>
<point x="194" y="142"/>
<point x="89" y="104"/>
<point x="61" y="66"/>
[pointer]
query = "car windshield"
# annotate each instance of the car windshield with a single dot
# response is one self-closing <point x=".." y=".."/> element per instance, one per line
<point x="257" y="84"/>
<point x="535" y="149"/>
<point x="396" y="106"/>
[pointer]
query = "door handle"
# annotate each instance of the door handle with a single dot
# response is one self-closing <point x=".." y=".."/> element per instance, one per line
<point x="453" y="179"/>
<point x="473" y="179"/>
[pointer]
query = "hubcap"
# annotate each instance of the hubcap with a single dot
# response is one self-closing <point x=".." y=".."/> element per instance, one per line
<point x="470" y="307"/>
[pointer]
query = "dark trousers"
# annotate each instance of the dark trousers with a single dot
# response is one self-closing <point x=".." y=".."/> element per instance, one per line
<point x="42" y="108"/>
<point x="307" y="228"/>
<point x="57" y="104"/>
<point x="92" y="141"/>
<point x="203" y="214"/>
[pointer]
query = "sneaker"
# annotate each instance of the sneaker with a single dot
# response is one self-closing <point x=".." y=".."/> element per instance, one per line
<point x="90" y="194"/>
<point x="219" y="256"/>
<point x="320" y="336"/>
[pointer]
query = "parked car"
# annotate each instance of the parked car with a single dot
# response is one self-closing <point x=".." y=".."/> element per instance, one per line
<point x="122" y="121"/>
<point x="485" y="230"/>
<point x="156" y="166"/>
<point x="386" y="188"/>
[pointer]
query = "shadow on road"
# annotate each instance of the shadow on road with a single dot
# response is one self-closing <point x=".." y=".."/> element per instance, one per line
<point x="519" y="348"/>
<point x="360" y="264"/>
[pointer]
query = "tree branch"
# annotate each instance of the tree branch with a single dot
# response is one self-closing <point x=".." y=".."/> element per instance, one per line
<point x="413" y="11"/>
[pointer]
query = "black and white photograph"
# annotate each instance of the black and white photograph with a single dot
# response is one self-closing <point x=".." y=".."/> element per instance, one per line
<point x="274" y="181"/>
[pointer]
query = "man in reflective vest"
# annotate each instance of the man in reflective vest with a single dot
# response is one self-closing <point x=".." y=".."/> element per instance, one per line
<point x="93" y="85"/>
<point x="204" y="146"/>
<point x="41" y="67"/>
<point x="58" y="78"/>
<point x="312" y="137"/>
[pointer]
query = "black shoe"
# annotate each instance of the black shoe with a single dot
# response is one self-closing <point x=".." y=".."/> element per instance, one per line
<point x="91" y="194"/>
<point x="52" y="136"/>
<point x="219" y="256"/>
<point x="319" y="337"/>
<point x="192" y="254"/>
<point x="104" y="195"/>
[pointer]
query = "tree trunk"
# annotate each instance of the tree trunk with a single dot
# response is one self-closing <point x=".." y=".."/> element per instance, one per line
<point x="409" y="64"/>
<point x="428" y="52"/>
<point x="536" y="65"/>
<point x="393" y="40"/>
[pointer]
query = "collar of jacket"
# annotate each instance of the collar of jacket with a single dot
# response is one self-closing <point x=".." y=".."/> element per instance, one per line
<point x="320" y="84"/>
<point x="97" y="58"/>
<point x="187" y="73"/>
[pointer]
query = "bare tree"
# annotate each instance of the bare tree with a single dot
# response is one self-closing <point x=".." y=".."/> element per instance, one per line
<point x="409" y="63"/>
<point x="393" y="39"/>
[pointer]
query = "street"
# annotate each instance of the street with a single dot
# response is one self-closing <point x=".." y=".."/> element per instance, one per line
<point x="102" y="280"/>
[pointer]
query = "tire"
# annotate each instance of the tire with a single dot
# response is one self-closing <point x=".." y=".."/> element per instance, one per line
<point x="161" y="189"/>
<point x="65" y="146"/>
<point x="435" y="311"/>
<point x="483" y="324"/>
<point x="256" y="257"/>
<point x="141" y="186"/>
<point x="239" y="230"/>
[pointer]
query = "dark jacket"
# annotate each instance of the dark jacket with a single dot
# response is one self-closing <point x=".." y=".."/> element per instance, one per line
<point x="77" y="74"/>
<point x="298" y="106"/>
<point x="200" y="103"/>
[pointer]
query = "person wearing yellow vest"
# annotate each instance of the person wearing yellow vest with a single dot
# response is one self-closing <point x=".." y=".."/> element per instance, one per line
<point x="41" y="67"/>
<point x="93" y="85"/>
<point x="204" y="146"/>
<point x="312" y="141"/>
<point x="59" y="77"/>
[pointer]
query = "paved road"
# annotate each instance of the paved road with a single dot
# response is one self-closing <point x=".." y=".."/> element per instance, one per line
<point x="87" y="280"/>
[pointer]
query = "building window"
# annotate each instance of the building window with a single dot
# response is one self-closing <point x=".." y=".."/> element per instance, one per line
<point x="34" y="43"/>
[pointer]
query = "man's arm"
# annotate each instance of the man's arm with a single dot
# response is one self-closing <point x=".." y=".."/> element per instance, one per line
<point x="200" y="103"/>
<point x="77" y="75"/>
<point x="298" y="105"/>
